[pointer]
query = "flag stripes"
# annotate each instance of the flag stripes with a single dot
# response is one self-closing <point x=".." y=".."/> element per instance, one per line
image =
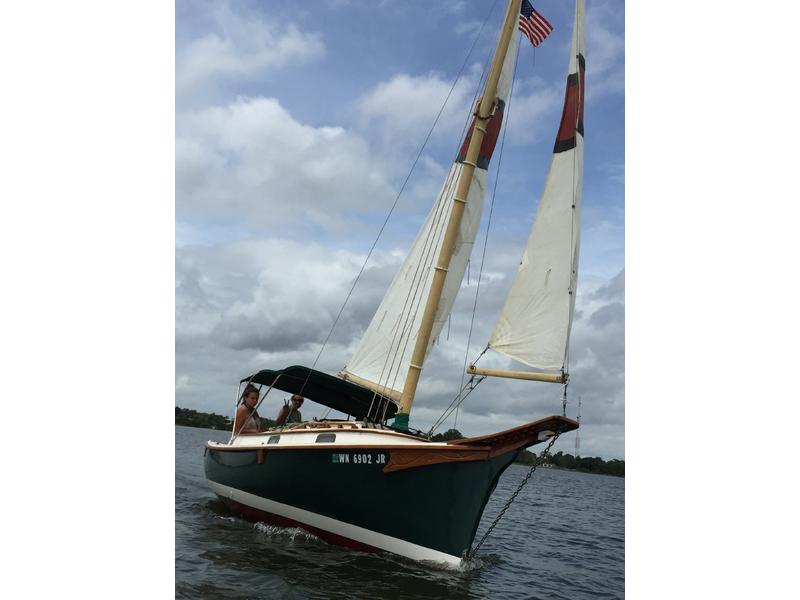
<point x="533" y="25"/>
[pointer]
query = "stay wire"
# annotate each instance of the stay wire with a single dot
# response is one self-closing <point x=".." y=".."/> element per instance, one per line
<point x="434" y="233"/>
<point x="455" y="403"/>
<point x="488" y="228"/>
<point x="458" y="399"/>
<point x="573" y="266"/>
<point x="542" y="457"/>
<point x="397" y="198"/>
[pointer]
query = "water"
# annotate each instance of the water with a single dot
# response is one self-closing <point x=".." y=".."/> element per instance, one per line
<point x="562" y="538"/>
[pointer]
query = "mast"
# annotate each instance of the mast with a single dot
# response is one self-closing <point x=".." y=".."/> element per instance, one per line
<point x="483" y="116"/>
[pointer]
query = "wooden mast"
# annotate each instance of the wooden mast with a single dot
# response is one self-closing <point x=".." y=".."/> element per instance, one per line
<point x="482" y="117"/>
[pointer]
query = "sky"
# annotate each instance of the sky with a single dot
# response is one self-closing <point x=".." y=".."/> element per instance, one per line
<point x="296" y="126"/>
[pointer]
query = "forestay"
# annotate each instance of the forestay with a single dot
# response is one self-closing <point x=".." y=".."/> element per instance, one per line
<point x="534" y="324"/>
<point x="383" y="355"/>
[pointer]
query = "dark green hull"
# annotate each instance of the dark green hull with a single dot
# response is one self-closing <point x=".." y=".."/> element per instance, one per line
<point x="437" y="506"/>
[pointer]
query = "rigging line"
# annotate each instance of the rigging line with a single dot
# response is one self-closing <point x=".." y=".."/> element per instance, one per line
<point x="450" y="183"/>
<point x="542" y="458"/>
<point x="448" y="408"/>
<point x="432" y="240"/>
<point x="420" y="279"/>
<point x="403" y="324"/>
<point x="573" y="266"/>
<point x="454" y="404"/>
<point x="441" y="110"/>
<point x="397" y="198"/>
<point x="419" y="287"/>
<point x="463" y="133"/>
<point x="489" y="222"/>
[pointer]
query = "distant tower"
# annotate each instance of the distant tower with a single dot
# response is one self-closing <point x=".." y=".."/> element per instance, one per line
<point x="578" y="432"/>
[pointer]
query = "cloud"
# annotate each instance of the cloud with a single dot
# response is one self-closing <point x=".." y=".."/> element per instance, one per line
<point x="455" y="7"/>
<point x="252" y="304"/>
<point x="605" y="53"/>
<point x="534" y="110"/>
<point x="470" y="28"/>
<point x="242" y="45"/>
<point x="252" y="159"/>
<point x="400" y="111"/>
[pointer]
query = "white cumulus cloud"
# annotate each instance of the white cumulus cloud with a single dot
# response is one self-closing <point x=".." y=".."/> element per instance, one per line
<point x="242" y="45"/>
<point x="252" y="159"/>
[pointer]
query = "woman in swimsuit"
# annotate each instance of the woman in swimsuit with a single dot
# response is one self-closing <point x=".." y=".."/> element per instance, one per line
<point x="247" y="419"/>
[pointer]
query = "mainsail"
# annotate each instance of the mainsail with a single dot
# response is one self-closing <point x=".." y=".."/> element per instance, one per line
<point x="535" y="322"/>
<point x="382" y="358"/>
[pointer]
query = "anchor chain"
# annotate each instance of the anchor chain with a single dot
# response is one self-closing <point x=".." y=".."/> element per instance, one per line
<point x="542" y="458"/>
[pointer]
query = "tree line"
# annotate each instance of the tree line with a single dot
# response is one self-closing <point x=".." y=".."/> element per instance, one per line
<point x="559" y="460"/>
<point x="193" y="418"/>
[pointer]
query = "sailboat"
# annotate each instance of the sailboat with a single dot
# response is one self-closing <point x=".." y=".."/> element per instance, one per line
<point x="372" y="483"/>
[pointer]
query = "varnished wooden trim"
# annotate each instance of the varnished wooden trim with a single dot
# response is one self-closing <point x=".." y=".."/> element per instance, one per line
<point x="423" y="457"/>
<point x="554" y="423"/>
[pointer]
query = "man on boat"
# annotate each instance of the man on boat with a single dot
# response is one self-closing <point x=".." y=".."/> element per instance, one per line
<point x="290" y="413"/>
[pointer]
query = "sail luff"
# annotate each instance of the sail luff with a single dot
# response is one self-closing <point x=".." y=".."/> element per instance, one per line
<point x="385" y="350"/>
<point x="484" y="115"/>
<point x="534" y="324"/>
<point x="383" y="353"/>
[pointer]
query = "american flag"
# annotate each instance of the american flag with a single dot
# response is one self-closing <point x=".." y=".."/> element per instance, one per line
<point x="532" y="24"/>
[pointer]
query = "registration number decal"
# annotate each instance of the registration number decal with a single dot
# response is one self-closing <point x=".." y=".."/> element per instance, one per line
<point x="358" y="458"/>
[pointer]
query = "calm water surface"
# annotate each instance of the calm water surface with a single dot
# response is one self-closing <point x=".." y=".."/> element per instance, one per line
<point x="562" y="538"/>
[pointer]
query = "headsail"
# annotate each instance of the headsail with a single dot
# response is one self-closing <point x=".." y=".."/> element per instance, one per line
<point x="535" y="322"/>
<point x="381" y="360"/>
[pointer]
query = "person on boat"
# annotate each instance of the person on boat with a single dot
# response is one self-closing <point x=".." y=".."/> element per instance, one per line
<point x="290" y="413"/>
<point x="247" y="419"/>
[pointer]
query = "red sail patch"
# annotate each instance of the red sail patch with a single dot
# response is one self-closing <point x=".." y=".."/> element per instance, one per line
<point x="572" y="116"/>
<point x="489" y="140"/>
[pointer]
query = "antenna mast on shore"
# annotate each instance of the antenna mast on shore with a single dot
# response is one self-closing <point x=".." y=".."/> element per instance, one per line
<point x="578" y="432"/>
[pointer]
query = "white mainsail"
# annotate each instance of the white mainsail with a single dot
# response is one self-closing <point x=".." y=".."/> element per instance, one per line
<point x="534" y="324"/>
<point x="382" y="358"/>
